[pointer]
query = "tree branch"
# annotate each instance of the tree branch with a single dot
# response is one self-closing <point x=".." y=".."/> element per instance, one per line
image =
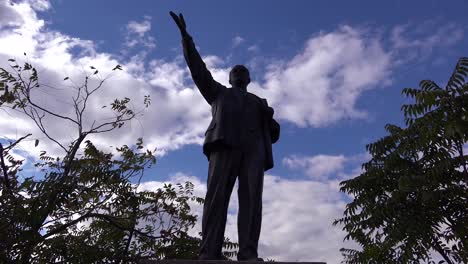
<point x="4" y="169"/>
<point x="16" y="142"/>
<point x="113" y="124"/>
<point x="38" y="121"/>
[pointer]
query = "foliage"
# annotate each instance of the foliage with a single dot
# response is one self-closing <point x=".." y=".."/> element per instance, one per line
<point x="187" y="247"/>
<point x="86" y="206"/>
<point x="412" y="197"/>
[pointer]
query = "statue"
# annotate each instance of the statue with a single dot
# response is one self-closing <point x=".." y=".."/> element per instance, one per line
<point x="238" y="143"/>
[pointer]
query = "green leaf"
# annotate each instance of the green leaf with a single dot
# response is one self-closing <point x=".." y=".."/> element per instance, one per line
<point x="118" y="67"/>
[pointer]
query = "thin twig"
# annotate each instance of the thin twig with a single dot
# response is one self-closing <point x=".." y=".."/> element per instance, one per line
<point x="16" y="142"/>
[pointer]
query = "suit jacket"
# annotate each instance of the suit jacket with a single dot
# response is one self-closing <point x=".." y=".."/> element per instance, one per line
<point x="226" y="123"/>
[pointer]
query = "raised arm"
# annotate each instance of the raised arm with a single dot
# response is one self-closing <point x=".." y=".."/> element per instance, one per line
<point x="208" y="87"/>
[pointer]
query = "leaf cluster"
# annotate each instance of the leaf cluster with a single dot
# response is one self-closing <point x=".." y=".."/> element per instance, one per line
<point x="412" y="197"/>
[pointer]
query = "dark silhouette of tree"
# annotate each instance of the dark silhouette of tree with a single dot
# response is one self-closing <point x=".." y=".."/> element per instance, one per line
<point x="412" y="197"/>
<point x="85" y="207"/>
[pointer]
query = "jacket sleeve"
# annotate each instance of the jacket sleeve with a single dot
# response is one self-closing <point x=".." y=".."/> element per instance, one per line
<point x="209" y="88"/>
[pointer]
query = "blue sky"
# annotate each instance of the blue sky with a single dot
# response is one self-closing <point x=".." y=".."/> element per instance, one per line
<point x="333" y="71"/>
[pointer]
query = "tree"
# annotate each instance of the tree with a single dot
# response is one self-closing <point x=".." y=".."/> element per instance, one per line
<point x="412" y="197"/>
<point x="86" y="206"/>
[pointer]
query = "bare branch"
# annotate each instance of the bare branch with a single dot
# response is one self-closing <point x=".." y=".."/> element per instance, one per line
<point x="40" y="125"/>
<point x="28" y="97"/>
<point x="16" y="142"/>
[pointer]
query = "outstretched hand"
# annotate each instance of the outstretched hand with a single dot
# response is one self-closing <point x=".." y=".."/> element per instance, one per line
<point x="179" y="20"/>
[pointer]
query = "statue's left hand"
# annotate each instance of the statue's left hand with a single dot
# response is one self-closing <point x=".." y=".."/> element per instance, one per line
<point x="269" y="112"/>
<point x="267" y="109"/>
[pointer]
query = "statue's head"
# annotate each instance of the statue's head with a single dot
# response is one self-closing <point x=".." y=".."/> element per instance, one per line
<point x="239" y="76"/>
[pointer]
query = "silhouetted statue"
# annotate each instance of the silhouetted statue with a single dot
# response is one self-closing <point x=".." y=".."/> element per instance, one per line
<point x="237" y="144"/>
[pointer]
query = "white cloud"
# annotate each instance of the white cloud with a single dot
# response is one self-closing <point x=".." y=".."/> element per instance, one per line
<point x="8" y="15"/>
<point x="253" y="48"/>
<point x="318" y="167"/>
<point x="321" y="85"/>
<point x="237" y="40"/>
<point x="137" y="34"/>
<point x="325" y="167"/>
<point x="139" y="28"/>
<point x="414" y="42"/>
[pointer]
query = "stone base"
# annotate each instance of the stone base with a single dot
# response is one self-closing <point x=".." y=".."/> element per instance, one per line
<point x="175" y="261"/>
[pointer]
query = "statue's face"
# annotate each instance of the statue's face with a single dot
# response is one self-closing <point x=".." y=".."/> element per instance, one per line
<point x="239" y="76"/>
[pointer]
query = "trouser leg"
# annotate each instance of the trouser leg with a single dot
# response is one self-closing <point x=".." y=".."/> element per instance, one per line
<point x="223" y="169"/>
<point x="250" y="202"/>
